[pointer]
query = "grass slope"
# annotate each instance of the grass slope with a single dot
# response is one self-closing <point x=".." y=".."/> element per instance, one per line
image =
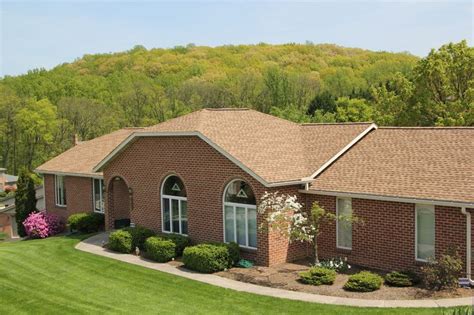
<point x="51" y="277"/>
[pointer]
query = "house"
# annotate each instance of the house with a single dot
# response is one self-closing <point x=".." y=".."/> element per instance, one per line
<point x="8" y="224"/>
<point x="7" y="181"/>
<point x="204" y="173"/>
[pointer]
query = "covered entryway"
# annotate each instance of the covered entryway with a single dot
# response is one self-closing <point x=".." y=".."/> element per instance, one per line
<point x="119" y="203"/>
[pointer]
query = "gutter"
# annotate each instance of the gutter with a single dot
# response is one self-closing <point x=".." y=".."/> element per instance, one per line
<point x="468" y="245"/>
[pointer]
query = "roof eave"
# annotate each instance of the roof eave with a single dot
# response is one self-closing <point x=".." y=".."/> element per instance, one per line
<point x="76" y="174"/>
<point x="438" y="202"/>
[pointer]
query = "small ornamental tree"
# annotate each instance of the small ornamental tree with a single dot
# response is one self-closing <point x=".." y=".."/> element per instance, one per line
<point x="25" y="199"/>
<point x="285" y="215"/>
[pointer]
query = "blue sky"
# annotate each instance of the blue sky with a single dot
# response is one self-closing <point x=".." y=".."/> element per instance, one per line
<point x="37" y="34"/>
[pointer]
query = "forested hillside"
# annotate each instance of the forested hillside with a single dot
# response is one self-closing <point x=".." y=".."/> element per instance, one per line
<point x="42" y="110"/>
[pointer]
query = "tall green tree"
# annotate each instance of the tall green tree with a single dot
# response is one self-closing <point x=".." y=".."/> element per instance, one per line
<point x="25" y="199"/>
<point x="445" y="79"/>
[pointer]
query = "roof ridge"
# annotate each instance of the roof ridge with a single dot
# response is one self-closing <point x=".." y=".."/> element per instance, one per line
<point x="338" y="123"/>
<point x="428" y="127"/>
<point x="225" y="108"/>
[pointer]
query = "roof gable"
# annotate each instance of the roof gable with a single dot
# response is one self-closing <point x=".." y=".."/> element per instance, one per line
<point x="426" y="163"/>
<point x="273" y="150"/>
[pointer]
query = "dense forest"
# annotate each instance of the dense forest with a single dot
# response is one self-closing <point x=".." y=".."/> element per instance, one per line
<point x="96" y="94"/>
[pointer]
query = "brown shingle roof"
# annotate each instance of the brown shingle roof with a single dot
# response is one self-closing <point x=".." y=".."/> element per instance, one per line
<point x="82" y="158"/>
<point x="275" y="149"/>
<point x="426" y="163"/>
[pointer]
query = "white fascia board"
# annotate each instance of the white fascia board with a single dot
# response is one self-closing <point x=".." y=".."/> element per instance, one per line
<point x="446" y="203"/>
<point x="338" y="154"/>
<point x="134" y="135"/>
<point x="98" y="176"/>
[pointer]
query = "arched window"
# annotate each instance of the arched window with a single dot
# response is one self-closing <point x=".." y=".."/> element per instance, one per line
<point x="174" y="206"/>
<point x="240" y="214"/>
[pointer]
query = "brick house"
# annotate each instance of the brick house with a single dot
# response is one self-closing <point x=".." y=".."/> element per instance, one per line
<point x="204" y="173"/>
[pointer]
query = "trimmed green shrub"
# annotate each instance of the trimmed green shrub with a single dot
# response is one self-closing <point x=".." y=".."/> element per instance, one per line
<point x="181" y="241"/>
<point x="206" y="258"/>
<point x="363" y="281"/>
<point x="160" y="250"/>
<point x="233" y="249"/>
<point x="120" y="241"/>
<point x="139" y="235"/>
<point x="401" y="279"/>
<point x="318" y="276"/>
<point x="86" y="222"/>
<point x="234" y="253"/>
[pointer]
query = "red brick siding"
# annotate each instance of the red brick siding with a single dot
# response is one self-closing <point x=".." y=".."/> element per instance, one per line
<point x="205" y="173"/>
<point x="386" y="239"/>
<point x="450" y="230"/>
<point x="472" y="242"/>
<point x="78" y="195"/>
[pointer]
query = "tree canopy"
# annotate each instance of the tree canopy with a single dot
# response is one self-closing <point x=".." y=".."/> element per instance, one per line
<point x="96" y="94"/>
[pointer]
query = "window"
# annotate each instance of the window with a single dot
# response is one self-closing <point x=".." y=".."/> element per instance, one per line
<point x="425" y="232"/>
<point x="60" y="190"/>
<point x="240" y="214"/>
<point x="344" y="227"/>
<point x="174" y="206"/>
<point x="98" y="195"/>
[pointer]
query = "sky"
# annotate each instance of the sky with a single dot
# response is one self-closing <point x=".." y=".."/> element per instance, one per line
<point x="40" y="34"/>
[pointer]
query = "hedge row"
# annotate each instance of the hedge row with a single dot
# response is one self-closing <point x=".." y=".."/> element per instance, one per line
<point x="210" y="257"/>
<point x="86" y="222"/>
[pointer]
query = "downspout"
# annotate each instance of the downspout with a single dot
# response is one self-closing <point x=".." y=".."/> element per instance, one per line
<point x="468" y="244"/>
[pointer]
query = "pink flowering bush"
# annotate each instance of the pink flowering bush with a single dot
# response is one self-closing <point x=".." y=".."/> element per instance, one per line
<point x="42" y="224"/>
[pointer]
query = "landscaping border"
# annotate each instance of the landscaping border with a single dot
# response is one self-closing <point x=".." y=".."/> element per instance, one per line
<point x="94" y="244"/>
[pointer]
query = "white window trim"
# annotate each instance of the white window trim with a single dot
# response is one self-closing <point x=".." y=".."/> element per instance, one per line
<point x="234" y="205"/>
<point x="179" y="199"/>
<point x="101" y="195"/>
<point x="416" y="230"/>
<point x="57" y="199"/>
<point x="337" y="223"/>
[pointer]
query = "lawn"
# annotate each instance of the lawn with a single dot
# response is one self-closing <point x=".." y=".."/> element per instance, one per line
<point x="51" y="277"/>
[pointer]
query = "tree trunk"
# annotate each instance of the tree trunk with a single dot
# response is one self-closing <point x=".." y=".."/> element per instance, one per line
<point x="316" y="256"/>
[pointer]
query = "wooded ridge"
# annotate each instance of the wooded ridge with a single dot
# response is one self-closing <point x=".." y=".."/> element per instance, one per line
<point x="96" y="94"/>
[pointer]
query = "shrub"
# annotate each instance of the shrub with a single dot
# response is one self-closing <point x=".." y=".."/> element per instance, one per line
<point x="443" y="273"/>
<point x="363" y="281"/>
<point x="234" y="253"/>
<point x="318" y="276"/>
<point x="401" y="279"/>
<point x="233" y="249"/>
<point x="139" y="235"/>
<point x="42" y="224"/>
<point x="338" y="264"/>
<point x="206" y="258"/>
<point x="120" y="241"/>
<point x="86" y="222"/>
<point x="160" y="250"/>
<point x="179" y="240"/>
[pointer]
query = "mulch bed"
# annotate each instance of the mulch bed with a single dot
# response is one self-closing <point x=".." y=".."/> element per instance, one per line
<point x="285" y="276"/>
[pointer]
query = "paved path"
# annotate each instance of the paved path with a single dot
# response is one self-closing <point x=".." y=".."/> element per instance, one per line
<point x="94" y="245"/>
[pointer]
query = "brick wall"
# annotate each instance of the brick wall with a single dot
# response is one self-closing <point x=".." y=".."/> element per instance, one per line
<point x="78" y="195"/>
<point x="205" y="173"/>
<point x="386" y="238"/>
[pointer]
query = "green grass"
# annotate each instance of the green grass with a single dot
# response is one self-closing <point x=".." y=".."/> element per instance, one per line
<point x="51" y="277"/>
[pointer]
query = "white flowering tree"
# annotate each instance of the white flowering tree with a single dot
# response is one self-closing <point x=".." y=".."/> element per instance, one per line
<point x="286" y="216"/>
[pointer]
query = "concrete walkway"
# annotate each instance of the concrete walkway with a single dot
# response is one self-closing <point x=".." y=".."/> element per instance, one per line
<point x="94" y="245"/>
